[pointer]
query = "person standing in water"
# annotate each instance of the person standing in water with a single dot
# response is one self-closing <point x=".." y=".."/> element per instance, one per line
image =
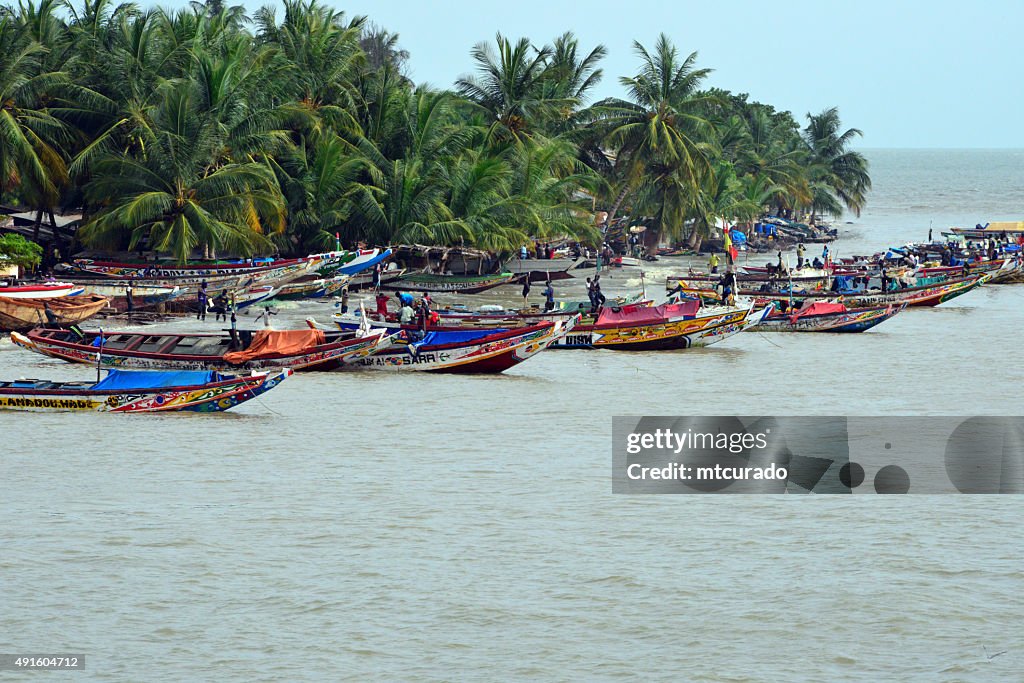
<point x="549" y="297"/>
<point x="526" y="291"/>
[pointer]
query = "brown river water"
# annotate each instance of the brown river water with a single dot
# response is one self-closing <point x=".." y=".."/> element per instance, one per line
<point x="378" y="526"/>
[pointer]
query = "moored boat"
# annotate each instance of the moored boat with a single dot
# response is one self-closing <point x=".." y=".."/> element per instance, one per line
<point x="931" y="294"/>
<point x="668" y="326"/>
<point x="24" y="314"/>
<point x="454" y="284"/>
<point x="38" y="290"/>
<point x="143" y="296"/>
<point x="292" y="349"/>
<point x="821" y="316"/>
<point x="485" y="351"/>
<point x="126" y="391"/>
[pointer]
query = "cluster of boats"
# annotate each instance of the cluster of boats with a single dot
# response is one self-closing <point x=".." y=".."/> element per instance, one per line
<point x="160" y="371"/>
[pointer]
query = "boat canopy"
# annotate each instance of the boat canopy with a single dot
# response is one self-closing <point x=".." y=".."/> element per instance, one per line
<point x="127" y="380"/>
<point x="818" y="308"/>
<point x="267" y="343"/>
<point x="456" y="336"/>
<point x="646" y="315"/>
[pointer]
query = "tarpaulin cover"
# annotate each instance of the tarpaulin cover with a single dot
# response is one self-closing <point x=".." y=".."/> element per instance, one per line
<point x="738" y="237"/>
<point x="150" y="379"/>
<point x="277" y="342"/>
<point x="649" y="315"/>
<point x="817" y="308"/>
<point x="456" y="336"/>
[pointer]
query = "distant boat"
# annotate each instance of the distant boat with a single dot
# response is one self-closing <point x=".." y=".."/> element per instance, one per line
<point x="39" y="290"/>
<point x="126" y="391"/>
<point x="455" y="284"/>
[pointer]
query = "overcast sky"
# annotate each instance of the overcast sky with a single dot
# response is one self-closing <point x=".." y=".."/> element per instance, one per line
<point x="909" y="73"/>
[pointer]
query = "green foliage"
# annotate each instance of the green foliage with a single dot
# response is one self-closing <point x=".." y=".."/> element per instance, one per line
<point x="201" y="130"/>
<point x="15" y="250"/>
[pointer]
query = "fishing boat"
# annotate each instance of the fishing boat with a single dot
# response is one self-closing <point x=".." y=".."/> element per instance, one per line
<point x="452" y="284"/>
<point x="24" y="314"/>
<point x="190" y="280"/>
<point x="540" y="269"/>
<point x="634" y="327"/>
<point x="364" y="260"/>
<point x="995" y="229"/>
<point x="39" y="290"/>
<point x="157" y="270"/>
<point x="143" y="296"/>
<point x="127" y="391"/>
<point x="486" y="351"/>
<point x="823" y="316"/>
<point x="247" y="350"/>
<point x="311" y="289"/>
<point x="931" y="294"/>
<point x="667" y="326"/>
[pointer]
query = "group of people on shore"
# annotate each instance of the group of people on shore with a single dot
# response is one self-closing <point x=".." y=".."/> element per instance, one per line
<point x="411" y="310"/>
<point x="221" y="303"/>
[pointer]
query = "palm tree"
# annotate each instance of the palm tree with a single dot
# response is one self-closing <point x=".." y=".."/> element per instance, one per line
<point x="30" y="136"/>
<point x="323" y="49"/>
<point x="840" y="175"/>
<point x="663" y="123"/>
<point x="172" y="199"/>
<point x="318" y="183"/>
<point x="510" y="88"/>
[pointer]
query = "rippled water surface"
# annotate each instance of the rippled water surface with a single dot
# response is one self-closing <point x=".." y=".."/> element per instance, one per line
<point x="403" y="527"/>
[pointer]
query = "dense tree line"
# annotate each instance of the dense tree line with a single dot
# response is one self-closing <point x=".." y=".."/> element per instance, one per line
<point x="203" y="129"/>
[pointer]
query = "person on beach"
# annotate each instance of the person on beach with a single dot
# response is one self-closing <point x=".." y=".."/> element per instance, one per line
<point x="590" y="295"/>
<point x="51" y="317"/>
<point x="382" y="305"/>
<point x="344" y="299"/>
<point x="422" y="316"/>
<point x="599" y="298"/>
<point x="129" y="298"/>
<point x="405" y="315"/>
<point x="713" y="263"/>
<point x="728" y="283"/>
<point x="526" y="291"/>
<point x="202" y="301"/>
<point x="378" y="272"/>
<point x="549" y="297"/>
<point x="800" y="252"/>
<point x="824" y="255"/>
<point x="523" y="253"/>
<point x="220" y="306"/>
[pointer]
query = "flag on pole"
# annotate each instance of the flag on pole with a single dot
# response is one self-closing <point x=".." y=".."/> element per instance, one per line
<point x="729" y="248"/>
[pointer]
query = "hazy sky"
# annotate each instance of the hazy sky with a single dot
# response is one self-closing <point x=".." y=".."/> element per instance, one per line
<point x="909" y="73"/>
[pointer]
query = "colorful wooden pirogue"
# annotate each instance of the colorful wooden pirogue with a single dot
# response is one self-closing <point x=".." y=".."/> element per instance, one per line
<point x="304" y="349"/>
<point x="921" y="295"/>
<point x="822" y="316"/>
<point x="24" y="314"/>
<point x="126" y="391"/>
<point x="633" y="327"/>
<point x="468" y="351"/>
<point x="453" y="284"/>
<point x="38" y="290"/>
